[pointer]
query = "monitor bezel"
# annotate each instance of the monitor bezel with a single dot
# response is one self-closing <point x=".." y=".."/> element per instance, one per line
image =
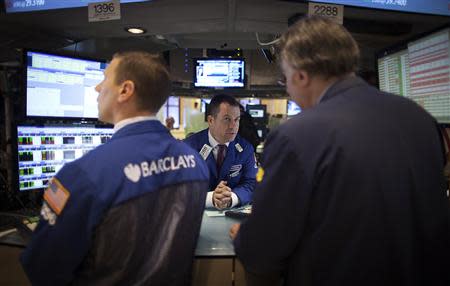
<point x="194" y="75"/>
<point x="43" y="119"/>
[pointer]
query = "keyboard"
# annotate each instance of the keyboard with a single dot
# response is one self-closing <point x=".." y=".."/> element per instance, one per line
<point x="239" y="213"/>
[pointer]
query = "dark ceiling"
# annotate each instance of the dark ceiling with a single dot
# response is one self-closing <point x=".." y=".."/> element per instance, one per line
<point x="173" y="24"/>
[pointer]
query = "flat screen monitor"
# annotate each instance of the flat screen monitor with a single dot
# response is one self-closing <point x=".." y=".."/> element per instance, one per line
<point x="393" y="72"/>
<point x="204" y="104"/>
<point x="171" y="108"/>
<point x="292" y="108"/>
<point x="257" y="111"/>
<point x="42" y="151"/>
<point x="219" y="73"/>
<point x="12" y="6"/>
<point x="62" y="86"/>
<point x="420" y="72"/>
<point x="436" y="7"/>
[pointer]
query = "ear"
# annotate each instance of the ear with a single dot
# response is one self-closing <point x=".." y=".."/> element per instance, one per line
<point x="302" y="78"/>
<point x="210" y="120"/>
<point x="127" y="90"/>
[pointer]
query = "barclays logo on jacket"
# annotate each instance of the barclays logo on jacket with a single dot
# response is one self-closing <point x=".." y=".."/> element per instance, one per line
<point x="134" y="172"/>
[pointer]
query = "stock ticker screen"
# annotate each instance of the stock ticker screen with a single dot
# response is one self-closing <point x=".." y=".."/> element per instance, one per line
<point x="42" y="150"/>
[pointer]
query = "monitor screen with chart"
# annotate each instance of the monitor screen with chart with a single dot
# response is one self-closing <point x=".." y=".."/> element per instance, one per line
<point x="43" y="150"/>
<point x="62" y="86"/>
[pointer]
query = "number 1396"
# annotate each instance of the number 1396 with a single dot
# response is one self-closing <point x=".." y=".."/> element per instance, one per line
<point x="104" y="8"/>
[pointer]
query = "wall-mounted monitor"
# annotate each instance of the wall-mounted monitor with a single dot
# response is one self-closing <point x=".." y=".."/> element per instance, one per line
<point x="292" y="108"/>
<point x="257" y="111"/>
<point x="219" y="73"/>
<point x="12" y="6"/>
<point x="61" y="86"/>
<point x="204" y="104"/>
<point x="437" y="7"/>
<point x="421" y="72"/>
<point x="171" y="108"/>
<point x="43" y="150"/>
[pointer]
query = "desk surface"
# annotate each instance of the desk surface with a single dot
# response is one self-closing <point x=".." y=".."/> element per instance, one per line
<point x="214" y="239"/>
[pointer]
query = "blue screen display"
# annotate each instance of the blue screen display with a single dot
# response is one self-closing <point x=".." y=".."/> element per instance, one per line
<point x="219" y="73"/>
<point x="59" y="86"/>
<point x="437" y="7"/>
<point x="292" y="108"/>
<point x="12" y="6"/>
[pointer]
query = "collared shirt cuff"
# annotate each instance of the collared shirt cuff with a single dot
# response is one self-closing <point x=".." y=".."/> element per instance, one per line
<point x="234" y="200"/>
<point x="209" y="202"/>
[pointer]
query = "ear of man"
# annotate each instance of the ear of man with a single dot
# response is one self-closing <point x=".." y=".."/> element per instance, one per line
<point x="210" y="119"/>
<point x="302" y="78"/>
<point x="127" y="91"/>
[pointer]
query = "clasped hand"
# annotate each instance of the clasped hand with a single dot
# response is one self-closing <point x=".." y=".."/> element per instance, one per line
<point x="222" y="196"/>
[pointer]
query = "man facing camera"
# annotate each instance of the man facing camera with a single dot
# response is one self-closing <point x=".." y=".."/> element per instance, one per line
<point x="230" y="158"/>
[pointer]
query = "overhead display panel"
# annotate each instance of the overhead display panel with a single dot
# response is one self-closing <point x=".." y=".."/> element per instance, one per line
<point x="429" y="60"/>
<point x="420" y="72"/>
<point x="12" y="6"/>
<point x="436" y="7"/>
<point x="393" y="73"/>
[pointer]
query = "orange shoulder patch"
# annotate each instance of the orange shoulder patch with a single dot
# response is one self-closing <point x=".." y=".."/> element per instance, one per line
<point x="56" y="196"/>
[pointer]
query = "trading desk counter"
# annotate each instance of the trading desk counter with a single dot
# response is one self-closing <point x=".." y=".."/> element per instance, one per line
<point x="214" y="239"/>
<point x="215" y="262"/>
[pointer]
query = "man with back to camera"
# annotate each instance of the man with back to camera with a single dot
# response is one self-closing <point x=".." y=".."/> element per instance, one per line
<point x="351" y="190"/>
<point x="230" y="158"/>
<point x="129" y="211"/>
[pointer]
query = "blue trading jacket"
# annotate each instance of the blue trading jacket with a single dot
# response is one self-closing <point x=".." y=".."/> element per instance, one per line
<point x="125" y="221"/>
<point x="238" y="169"/>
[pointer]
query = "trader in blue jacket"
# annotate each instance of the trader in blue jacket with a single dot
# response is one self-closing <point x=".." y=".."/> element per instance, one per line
<point x="230" y="158"/>
<point x="129" y="211"/>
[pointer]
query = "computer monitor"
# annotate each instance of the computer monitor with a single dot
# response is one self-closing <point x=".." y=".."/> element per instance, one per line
<point x="204" y="104"/>
<point x="171" y="108"/>
<point x="61" y="86"/>
<point x="43" y="150"/>
<point x="292" y="108"/>
<point x="257" y="111"/>
<point x="420" y="71"/>
<point x="219" y="73"/>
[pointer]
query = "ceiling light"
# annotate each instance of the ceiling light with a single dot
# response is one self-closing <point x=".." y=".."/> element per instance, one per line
<point x="135" y="30"/>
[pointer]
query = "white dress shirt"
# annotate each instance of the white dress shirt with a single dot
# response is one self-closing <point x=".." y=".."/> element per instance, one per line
<point x="127" y="121"/>
<point x="215" y="149"/>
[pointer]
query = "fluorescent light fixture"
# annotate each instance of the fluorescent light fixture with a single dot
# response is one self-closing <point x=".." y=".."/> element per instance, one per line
<point x="135" y="30"/>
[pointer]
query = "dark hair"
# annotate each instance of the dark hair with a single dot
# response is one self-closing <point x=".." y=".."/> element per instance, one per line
<point x="214" y="105"/>
<point x="319" y="46"/>
<point x="150" y="76"/>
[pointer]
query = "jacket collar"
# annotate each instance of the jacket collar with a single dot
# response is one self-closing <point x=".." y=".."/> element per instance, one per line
<point x="139" y="128"/>
<point x="341" y="86"/>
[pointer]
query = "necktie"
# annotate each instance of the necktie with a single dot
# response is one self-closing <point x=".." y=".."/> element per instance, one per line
<point x="220" y="156"/>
